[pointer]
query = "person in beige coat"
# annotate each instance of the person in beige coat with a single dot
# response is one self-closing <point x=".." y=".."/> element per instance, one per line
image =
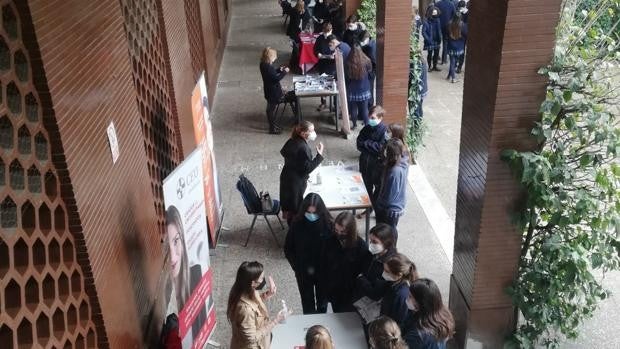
<point x="247" y="313"/>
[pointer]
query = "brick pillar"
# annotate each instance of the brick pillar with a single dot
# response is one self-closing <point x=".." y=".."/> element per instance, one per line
<point x="508" y="42"/>
<point x="351" y="7"/>
<point x="393" y="28"/>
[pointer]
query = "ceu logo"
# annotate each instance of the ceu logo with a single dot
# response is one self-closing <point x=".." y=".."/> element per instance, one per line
<point x="186" y="182"/>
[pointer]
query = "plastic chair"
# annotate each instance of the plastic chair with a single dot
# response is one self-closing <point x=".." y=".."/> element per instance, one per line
<point x="251" y="201"/>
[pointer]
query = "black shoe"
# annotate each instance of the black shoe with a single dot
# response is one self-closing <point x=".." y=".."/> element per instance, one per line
<point x="430" y="69"/>
<point x="276" y="131"/>
<point x="436" y="69"/>
<point x="458" y="70"/>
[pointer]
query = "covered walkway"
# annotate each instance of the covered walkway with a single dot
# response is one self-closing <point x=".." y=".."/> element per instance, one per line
<point x="243" y="146"/>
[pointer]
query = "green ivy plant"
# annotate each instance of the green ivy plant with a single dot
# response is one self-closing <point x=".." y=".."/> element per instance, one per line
<point x="416" y="128"/>
<point x="367" y="14"/>
<point x="570" y="215"/>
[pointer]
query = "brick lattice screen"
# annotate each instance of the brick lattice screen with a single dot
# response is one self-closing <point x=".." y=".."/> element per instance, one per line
<point x="45" y="276"/>
<point x="151" y="77"/>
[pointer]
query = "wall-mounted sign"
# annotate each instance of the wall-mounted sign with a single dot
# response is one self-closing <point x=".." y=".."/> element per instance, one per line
<point x="113" y="140"/>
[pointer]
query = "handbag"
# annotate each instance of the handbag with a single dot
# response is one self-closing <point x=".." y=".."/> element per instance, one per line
<point x="266" y="201"/>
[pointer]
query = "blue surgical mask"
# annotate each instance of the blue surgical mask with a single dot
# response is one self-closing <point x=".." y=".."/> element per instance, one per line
<point x="312" y="217"/>
<point x="374" y="122"/>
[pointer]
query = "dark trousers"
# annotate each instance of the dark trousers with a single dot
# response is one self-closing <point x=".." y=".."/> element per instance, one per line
<point x="460" y="62"/>
<point x="444" y="45"/>
<point x="371" y="186"/>
<point x="311" y="300"/>
<point x="383" y="216"/>
<point x="271" y="116"/>
<point x="432" y="57"/>
<point x="454" y="61"/>
<point x="358" y="110"/>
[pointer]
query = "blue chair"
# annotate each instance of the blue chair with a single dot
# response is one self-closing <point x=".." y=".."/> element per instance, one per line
<point x="252" y="204"/>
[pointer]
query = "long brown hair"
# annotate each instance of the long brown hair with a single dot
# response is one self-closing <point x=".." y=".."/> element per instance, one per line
<point x="455" y="27"/>
<point x="318" y="337"/>
<point x="385" y="234"/>
<point x="384" y="333"/>
<point x="432" y="315"/>
<point x="394" y="149"/>
<point x="181" y="282"/>
<point x="347" y="220"/>
<point x="399" y="264"/>
<point x="300" y="7"/>
<point x="357" y="63"/>
<point x="247" y="272"/>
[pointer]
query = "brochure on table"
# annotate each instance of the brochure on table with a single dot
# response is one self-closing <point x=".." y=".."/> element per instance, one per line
<point x="339" y="186"/>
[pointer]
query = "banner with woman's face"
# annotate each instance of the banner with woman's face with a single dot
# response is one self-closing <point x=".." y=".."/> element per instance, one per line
<point x="187" y="238"/>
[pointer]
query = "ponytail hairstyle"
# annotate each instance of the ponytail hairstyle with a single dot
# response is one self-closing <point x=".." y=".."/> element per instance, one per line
<point x="300" y="128"/>
<point x="318" y="337"/>
<point x="400" y="265"/>
<point x="384" y="333"/>
<point x="432" y="316"/>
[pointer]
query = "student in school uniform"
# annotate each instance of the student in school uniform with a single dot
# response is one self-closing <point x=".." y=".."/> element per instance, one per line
<point x="457" y="37"/>
<point x="431" y="32"/>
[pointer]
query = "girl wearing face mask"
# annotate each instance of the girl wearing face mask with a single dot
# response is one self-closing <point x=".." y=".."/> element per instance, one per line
<point x="399" y="272"/>
<point x="247" y="313"/>
<point x="352" y="33"/>
<point x="304" y="242"/>
<point x="431" y="31"/>
<point x="370" y="142"/>
<point x="298" y="163"/>
<point x="382" y="246"/>
<point x="342" y="260"/>
<point x="385" y="334"/>
<point x="432" y="324"/>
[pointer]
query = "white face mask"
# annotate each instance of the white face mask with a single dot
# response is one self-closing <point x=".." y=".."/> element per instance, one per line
<point x="375" y="248"/>
<point x="352" y="26"/>
<point x="312" y="136"/>
<point x="411" y="305"/>
<point x="388" y="277"/>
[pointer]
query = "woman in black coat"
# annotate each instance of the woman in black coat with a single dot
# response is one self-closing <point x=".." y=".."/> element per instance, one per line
<point x="298" y="163"/>
<point x="382" y="246"/>
<point x="342" y="261"/>
<point x="304" y="242"/>
<point x="272" y="88"/>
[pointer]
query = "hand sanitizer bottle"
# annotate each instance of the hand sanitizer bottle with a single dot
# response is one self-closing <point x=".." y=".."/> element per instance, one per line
<point x="285" y="308"/>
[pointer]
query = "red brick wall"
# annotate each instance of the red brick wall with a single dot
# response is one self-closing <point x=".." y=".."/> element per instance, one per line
<point x="507" y="43"/>
<point x="394" y="18"/>
<point x="127" y="63"/>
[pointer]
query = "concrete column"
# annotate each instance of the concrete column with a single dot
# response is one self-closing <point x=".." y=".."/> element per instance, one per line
<point x="393" y="28"/>
<point x="507" y="43"/>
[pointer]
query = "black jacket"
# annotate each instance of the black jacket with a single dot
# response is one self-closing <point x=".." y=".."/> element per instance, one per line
<point x="340" y="267"/>
<point x="394" y="302"/>
<point x="271" y="82"/>
<point x="371" y="284"/>
<point x="298" y="163"/>
<point x="304" y="243"/>
<point x="370" y="142"/>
